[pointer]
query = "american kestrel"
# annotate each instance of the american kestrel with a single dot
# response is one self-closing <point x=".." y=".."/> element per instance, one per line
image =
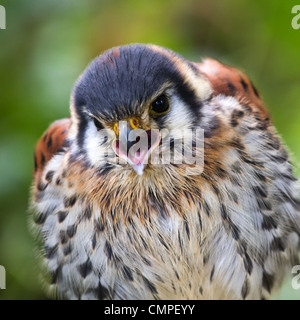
<point x="114" y="229"/>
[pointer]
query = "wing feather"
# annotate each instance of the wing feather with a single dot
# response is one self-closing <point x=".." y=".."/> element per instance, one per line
<point x="51" y="142"/>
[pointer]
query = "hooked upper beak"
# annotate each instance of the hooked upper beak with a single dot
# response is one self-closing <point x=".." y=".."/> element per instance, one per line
<point x="135" y="145"/>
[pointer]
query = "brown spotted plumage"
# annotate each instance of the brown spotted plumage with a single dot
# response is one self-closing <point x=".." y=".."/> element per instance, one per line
<point x="116" y="225"/>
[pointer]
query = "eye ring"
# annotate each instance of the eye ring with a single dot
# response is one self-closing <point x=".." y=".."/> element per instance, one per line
<point x="160" y="105"/>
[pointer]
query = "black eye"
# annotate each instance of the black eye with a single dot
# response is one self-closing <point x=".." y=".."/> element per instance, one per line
<point x="160" y="105"/>
<point x="98" y="124"/>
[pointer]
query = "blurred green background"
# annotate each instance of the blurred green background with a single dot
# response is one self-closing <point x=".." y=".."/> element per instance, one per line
<point x="47" y="44"/>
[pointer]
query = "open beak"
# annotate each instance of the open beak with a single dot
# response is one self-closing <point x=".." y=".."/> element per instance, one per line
<point x="135" y="145"/>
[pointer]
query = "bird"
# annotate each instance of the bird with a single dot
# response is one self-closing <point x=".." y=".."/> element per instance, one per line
<point x="112" y="225"/>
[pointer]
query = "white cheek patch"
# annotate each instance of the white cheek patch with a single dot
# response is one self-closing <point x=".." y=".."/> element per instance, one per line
<point x="97" y="145"/>
<point x="179" y="116"/>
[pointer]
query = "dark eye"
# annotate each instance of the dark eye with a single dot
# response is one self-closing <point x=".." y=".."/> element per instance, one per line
<point x="98" y="124"/>
<point x="160" y="105"/>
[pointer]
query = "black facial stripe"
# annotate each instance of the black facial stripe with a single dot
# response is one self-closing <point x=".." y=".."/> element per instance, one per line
<point x="190" y="99"/>
<point x="161" y="120"/>
<point x="98" y="124"/>
<point x="81" y="131"/>
<point x="80" y="103"/>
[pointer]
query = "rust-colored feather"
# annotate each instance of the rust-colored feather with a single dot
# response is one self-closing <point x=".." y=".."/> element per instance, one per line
<point x="232" y="82"/>
<point x="52" y="141"/>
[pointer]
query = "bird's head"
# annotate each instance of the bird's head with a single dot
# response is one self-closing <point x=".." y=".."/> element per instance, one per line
<point x="128" y="98"/>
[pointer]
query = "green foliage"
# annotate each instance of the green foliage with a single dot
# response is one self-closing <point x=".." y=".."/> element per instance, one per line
<point x="47" y="44"/>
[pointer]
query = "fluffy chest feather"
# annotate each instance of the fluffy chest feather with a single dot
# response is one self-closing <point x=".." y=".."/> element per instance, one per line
<point x="227" y="244"/>
<point x="229" y="231"/>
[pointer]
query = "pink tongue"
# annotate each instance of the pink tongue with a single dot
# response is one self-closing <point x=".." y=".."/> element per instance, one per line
<point x="134" y="156"/>
<point x="139" y="157"/>
<point x="137" y="153"/>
